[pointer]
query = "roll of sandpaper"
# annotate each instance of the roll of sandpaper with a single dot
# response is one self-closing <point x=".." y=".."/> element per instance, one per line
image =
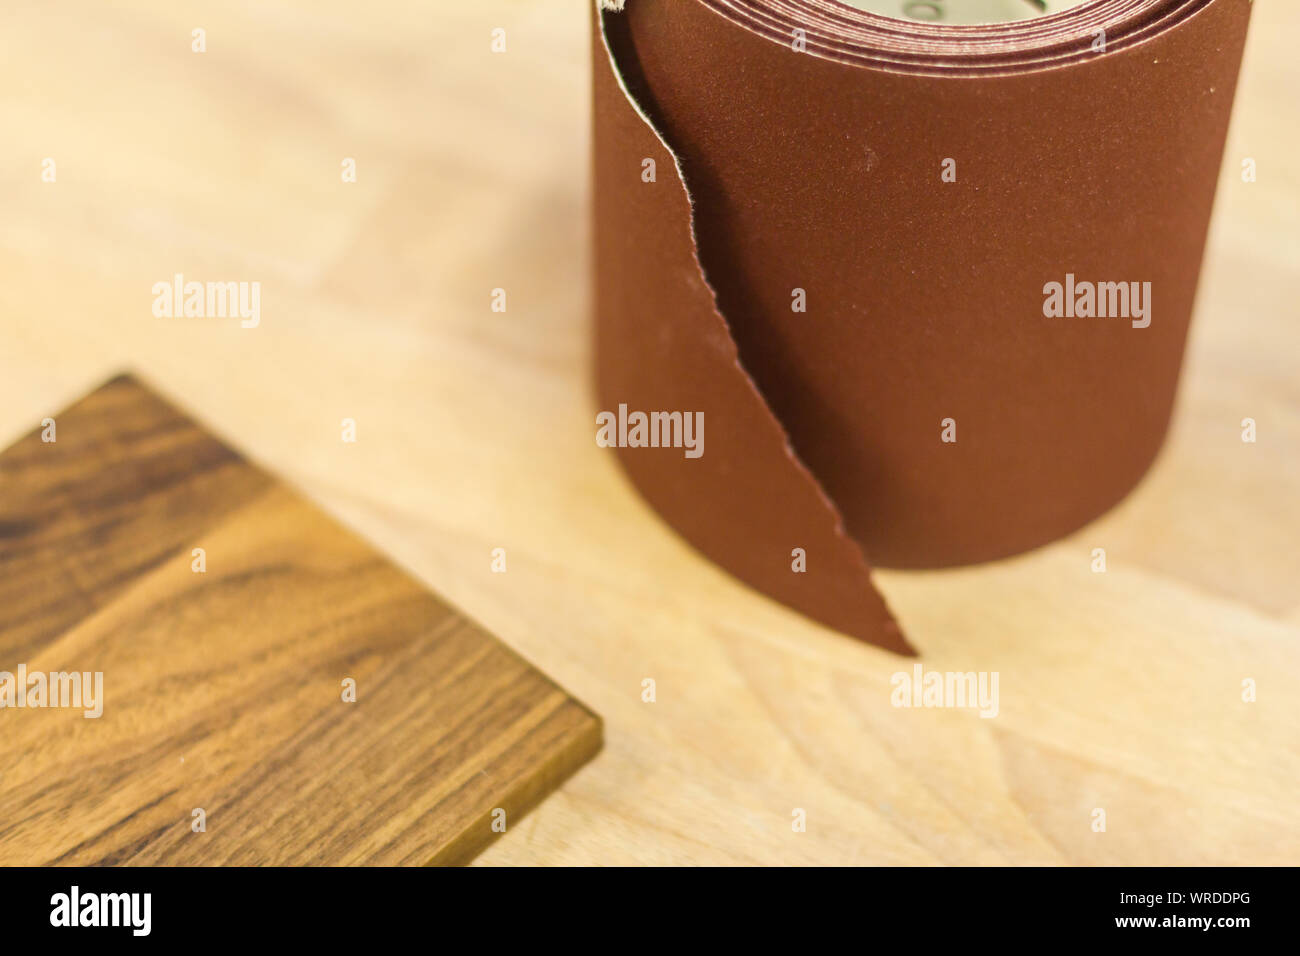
<point x="880" y="285"/>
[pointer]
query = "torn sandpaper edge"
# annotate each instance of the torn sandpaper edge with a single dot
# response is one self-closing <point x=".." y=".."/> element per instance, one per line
<point x="749" y="503"/>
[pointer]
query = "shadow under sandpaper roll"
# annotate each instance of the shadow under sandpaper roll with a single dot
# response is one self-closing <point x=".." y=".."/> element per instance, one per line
<point x="927" y="284"/>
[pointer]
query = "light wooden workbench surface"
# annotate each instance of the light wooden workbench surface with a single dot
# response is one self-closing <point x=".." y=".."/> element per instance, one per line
<point x="1119" y="691"/>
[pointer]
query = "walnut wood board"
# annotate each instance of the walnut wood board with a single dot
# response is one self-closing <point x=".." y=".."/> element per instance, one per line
<point x="224" y="689"/>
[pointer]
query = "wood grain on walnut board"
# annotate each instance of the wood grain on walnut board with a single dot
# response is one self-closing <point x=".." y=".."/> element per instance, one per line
<point x="223" y="672"/>
<point x="1119" y="691"/>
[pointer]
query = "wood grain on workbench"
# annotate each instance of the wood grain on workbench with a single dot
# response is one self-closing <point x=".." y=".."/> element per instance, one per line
<point x="252" y="660"/>
<point x="1119" y="691"/>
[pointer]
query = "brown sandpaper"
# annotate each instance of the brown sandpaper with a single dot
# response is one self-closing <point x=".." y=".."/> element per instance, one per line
<point x="810" y="164"/>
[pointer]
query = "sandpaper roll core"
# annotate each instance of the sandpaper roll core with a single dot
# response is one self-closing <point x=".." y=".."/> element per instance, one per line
<point x="925" y="286"/>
